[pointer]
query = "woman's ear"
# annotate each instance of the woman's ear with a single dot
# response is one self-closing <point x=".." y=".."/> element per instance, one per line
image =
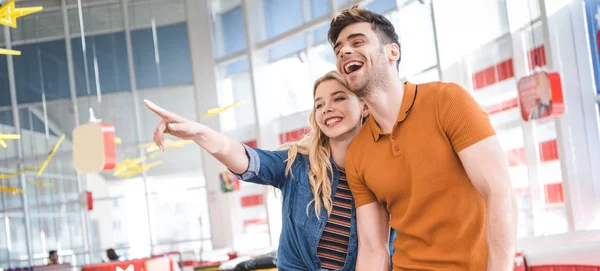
<point x="365" y="111"/>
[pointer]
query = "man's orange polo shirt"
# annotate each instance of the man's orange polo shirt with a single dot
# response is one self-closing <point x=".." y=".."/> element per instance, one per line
<point x="414" y="171"/>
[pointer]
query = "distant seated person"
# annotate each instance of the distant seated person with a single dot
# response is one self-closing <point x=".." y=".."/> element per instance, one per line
<point x="112" y="255"/>
<point x="53" y="257"/>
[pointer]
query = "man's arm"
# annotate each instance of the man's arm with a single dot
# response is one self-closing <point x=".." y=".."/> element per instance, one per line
<point x="372" y="220"/>
<point x="487" y="168"/>
<point x="373" y="237"/>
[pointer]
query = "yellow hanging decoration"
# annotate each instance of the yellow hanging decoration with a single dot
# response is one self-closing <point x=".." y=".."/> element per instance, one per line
<point x="9" y="13"/>
<point x="218" y="110"/>
<point x="9" y="52"/>
<point x="42" y="184"/>
<point x="15" y="174"/>
<point x="4" y="137"/>
<point x="151" y="147"/>
<point x="128" y="164"/>
<point x="52" y="152"/>
<point x="140" y="169"/>
<point x="11" y="190"/>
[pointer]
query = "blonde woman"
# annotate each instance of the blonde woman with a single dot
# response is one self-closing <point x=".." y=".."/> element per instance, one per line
<point x="318" y="227"/>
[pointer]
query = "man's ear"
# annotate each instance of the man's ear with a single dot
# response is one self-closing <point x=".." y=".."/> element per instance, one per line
<point x="365" y="111"/>
<point x="394" y="52"/>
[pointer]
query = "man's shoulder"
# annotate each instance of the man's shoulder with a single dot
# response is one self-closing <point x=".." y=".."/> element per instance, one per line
<point x="437" y="87"/>
<point x="432" y="93"/>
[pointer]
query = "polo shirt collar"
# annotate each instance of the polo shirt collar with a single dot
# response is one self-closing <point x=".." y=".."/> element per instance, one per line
<point x="407" y="102"/>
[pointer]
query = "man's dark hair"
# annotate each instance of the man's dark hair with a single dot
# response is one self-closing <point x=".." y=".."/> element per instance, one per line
<point x="381" y="25"/>
<point x="52" y="252"/>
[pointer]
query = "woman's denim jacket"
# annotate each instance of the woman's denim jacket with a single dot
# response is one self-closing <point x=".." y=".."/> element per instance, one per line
<point x="301" y="232"/>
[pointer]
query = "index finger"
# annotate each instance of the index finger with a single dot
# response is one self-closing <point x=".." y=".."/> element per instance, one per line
<point x="164" y="114"/>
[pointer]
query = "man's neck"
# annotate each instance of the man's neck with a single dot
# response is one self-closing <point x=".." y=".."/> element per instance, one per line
<point x="384" y="103"/>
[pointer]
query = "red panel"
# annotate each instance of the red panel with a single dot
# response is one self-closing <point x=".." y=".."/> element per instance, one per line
<point x="516" y="157"/>
<point x="90" y="200"/>
<point x="295" y="135"/>
<point x="554" y="193"/>
<point x="564" y="268"/>
<point x="505" y="70"/>
<point x="251" y="144"/>
<point x="110" y="149"/>
<point x="489" y="75"/>
<point x="503" y="106"/>
<point x="540" y="52"/>
<point x="478" y="80"/>
<point x="138" y="264"/>
<point x="511" y="70"/>
<point x="253" y="200"/>
<point x="255" y="222"/>
<point x="548" y="151"/>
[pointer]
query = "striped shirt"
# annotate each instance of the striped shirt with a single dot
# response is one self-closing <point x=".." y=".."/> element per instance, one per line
<point x="333" y="245"/>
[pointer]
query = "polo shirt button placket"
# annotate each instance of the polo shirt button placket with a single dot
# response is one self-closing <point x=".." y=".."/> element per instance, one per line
<point x="396" y="148"/>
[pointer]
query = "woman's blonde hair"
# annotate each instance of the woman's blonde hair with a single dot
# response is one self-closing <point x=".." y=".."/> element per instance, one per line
<point x="316" y="146"/>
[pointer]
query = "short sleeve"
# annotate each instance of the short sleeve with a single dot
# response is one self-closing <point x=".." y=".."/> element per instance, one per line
<point x="264" y="167"/>
<point x="461" y="118"/>
<point x="360" y="191"/>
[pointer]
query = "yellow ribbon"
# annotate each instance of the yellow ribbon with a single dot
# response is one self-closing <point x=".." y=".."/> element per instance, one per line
<point x="8" y="137"/>
<point x="9" y="13"/>
<point x="45" y="164"/>
<point x="127" y="163"/>
<point x="218" y="110"/>
<point x="10" y="52"/>
<point x="151" y="147"/>
<point x="140" y="169"/>
<point x="11" y="190"/>
<point x="15" y="174"/>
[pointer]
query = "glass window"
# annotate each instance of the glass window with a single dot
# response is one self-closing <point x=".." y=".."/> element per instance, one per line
<point x="381" y="6"/>
<point x="321" y="60"/>
<point x="282" y="16"/>
<point x="415" y="30"/>
<point x="479" y="21"/>
<point x="233" y="31"/>
<point x="291" y="84"/>
<point x="235" y="86"/>
<point x="522" y="12"/>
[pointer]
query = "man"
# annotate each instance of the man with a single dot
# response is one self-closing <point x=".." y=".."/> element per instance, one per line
<point x="427" y="163"/>
<point x="52" y="257"/>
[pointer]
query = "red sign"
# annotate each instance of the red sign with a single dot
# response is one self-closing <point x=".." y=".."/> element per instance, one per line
<point x="540" y="96"/>
<point x="90" y="201"/>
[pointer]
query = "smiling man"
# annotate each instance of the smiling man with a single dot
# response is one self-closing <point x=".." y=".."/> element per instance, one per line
<point x="427" y="163"/>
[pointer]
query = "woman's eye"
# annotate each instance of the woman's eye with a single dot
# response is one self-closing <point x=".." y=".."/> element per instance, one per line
<point x="339" y="99"/>
<point x="318" y="106"/>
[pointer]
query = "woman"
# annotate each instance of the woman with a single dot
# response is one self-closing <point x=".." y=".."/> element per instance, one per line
<point x="318" y="228"/>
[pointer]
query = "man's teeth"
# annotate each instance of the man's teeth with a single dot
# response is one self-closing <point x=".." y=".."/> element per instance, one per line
<point x="353" y="63"/>
<point x="332" y="121"/>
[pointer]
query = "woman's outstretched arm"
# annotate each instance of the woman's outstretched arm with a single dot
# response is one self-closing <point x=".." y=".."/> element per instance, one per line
<point x="252" y="165"/>
<point x="228" y="151"/>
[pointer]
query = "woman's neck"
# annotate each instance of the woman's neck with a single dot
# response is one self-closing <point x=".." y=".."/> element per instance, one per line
<point x="338" y="150"/>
